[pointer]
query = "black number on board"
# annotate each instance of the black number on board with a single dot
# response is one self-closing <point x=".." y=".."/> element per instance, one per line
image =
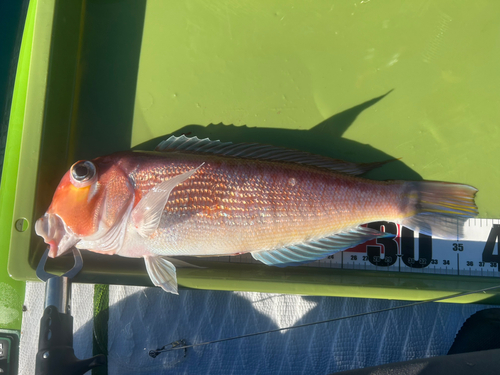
<point x="331" y="256"/>
<point x="470" y="263"/>
<point x="492" y="240"/>
<point x="408" y="249"/>
<point x="481" y="264"/>
<point x="446" y="262"/>
<point x="354" y="257"/>
<point x="434" y="261"/>
<point x="493" y="264"/>
<point x="365" y="257"/>
<point x="389" y="245"/>
<point x="458" y="247"/>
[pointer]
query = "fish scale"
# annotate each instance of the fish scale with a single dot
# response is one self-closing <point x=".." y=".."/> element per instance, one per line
<point x="258" y="204"/>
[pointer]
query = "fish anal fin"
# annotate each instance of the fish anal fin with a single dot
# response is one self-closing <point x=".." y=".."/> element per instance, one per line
<point x="314" y="250"/>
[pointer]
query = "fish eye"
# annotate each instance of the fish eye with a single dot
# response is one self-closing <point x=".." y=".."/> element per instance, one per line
<point x="82" y="173"/>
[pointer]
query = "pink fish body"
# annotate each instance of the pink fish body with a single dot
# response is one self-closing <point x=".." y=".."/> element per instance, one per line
<point x="207" y="198"/>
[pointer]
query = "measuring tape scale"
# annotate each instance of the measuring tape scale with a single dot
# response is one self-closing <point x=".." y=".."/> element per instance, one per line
<point x="475" y="254"/>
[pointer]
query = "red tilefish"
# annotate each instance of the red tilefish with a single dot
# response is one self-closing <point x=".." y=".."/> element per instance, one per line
<point x="197" y="197"/>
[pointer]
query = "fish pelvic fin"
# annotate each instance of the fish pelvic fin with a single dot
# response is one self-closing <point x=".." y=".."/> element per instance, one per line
<point x="162" y="273"/>
<point x="147" y="214"/>
<point x="438" y="209"/>
<point x="314" y="250"/>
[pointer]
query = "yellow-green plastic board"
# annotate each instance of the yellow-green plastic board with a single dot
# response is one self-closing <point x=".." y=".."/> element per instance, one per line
<point x="358" y="80"/>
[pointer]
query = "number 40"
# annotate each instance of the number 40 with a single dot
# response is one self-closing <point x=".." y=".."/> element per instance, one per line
<point x="488" y="255"/>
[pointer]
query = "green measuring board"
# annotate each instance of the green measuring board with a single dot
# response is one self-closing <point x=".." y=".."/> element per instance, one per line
<point x="357" y="80"/>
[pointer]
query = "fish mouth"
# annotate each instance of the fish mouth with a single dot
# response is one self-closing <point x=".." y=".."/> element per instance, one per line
<point x="56" y="234"/>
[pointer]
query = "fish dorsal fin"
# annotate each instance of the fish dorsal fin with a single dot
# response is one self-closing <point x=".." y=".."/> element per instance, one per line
<point x="266" y="152"/>
<point x="147" y="214"/>
<point x="315" y="250"/>
<point x="162" y="273"/>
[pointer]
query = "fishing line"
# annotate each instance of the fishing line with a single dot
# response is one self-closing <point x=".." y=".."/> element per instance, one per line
<point x="176" y="345"/>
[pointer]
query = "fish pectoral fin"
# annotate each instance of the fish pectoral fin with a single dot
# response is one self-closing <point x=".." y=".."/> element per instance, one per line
<point x="314" y="250"/>
<point x="162" y="273"/>
<point x="147" y="214"/>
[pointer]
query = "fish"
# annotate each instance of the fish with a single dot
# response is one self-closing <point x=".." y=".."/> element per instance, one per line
<point x="199" y="197"/>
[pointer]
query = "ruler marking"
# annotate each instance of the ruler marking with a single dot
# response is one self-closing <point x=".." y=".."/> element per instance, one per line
<point x="436" y="254"/>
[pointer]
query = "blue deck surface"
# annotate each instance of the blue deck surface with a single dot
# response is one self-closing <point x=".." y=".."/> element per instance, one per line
<point x="142" y="319"/>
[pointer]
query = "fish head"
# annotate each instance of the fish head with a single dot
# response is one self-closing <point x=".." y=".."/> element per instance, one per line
<point x="90" y="199"/>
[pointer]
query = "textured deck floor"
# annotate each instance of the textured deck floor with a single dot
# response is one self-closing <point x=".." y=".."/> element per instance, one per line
<point x="141" y="319"/>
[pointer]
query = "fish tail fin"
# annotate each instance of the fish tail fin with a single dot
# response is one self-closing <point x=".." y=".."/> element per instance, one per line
<point x="437" y="208"/>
